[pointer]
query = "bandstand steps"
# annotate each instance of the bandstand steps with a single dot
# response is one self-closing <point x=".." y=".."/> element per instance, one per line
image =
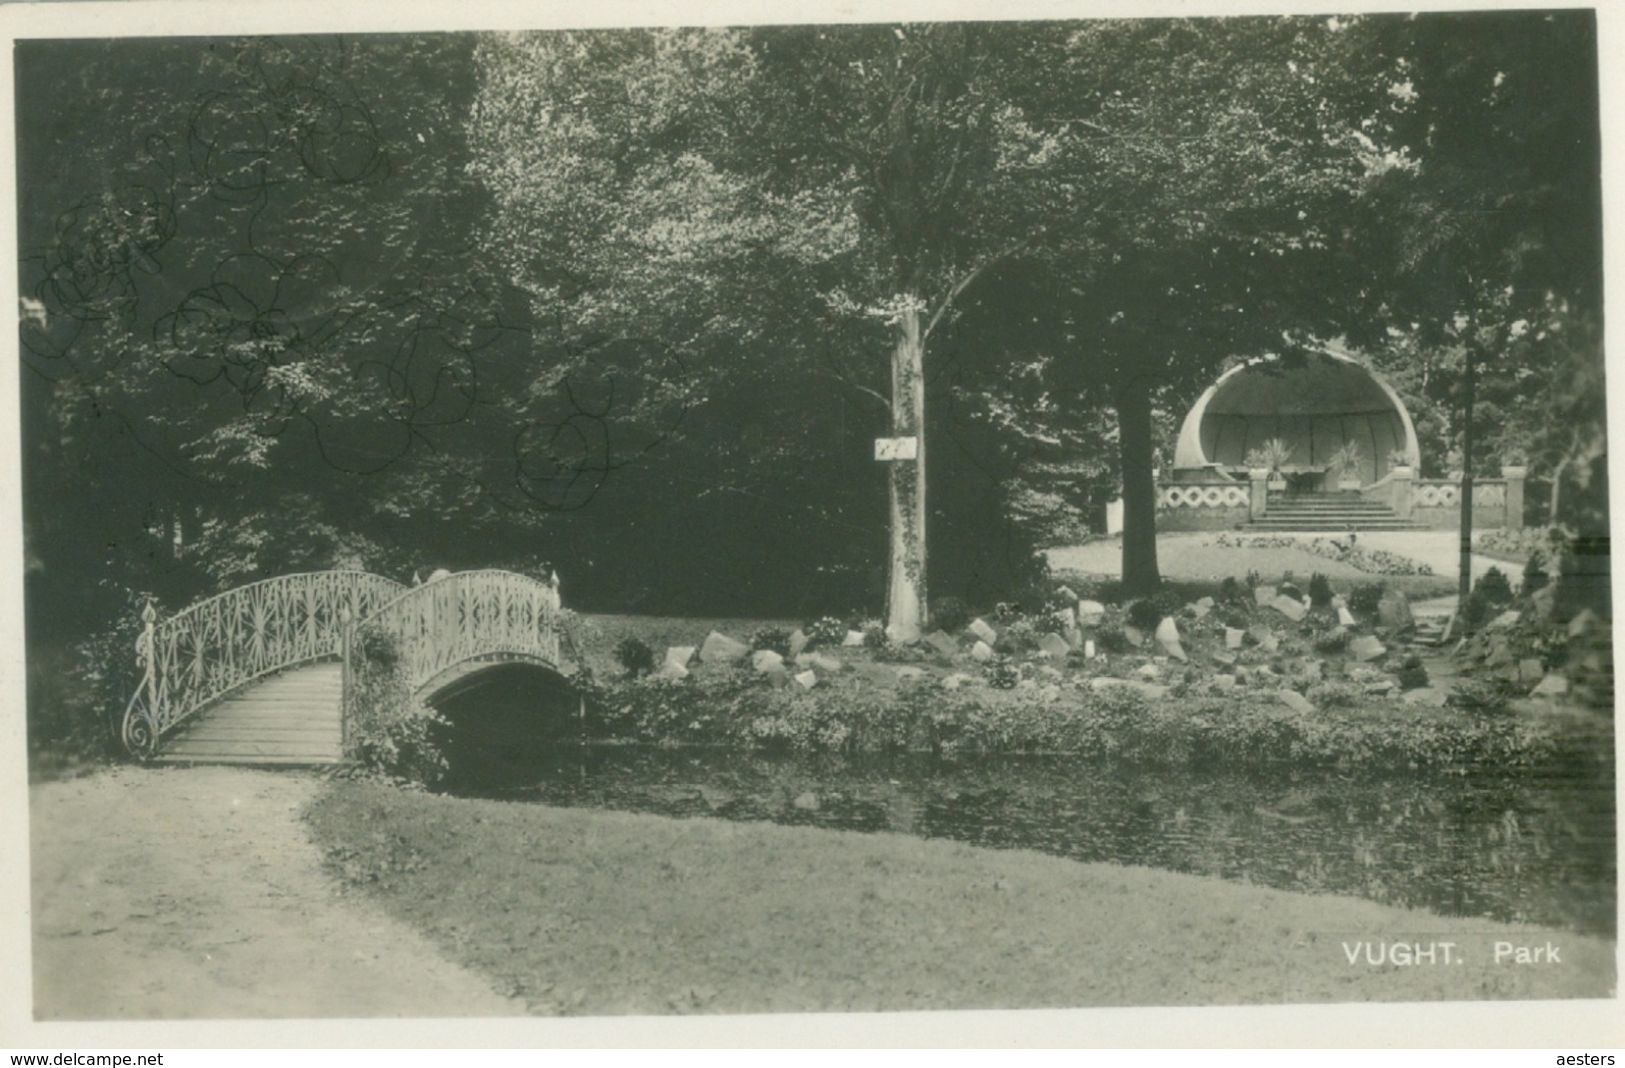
<point x="1328" y="512"/>
<point x="291" y="718"/>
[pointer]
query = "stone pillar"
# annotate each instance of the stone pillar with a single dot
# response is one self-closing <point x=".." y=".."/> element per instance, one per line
<point x="1514" y="495"/>
<point x="1258" y="499"/>
<point x="1401" y="493"/>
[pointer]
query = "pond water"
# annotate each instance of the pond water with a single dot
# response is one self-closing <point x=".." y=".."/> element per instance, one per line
<point x="1536" y="848"/>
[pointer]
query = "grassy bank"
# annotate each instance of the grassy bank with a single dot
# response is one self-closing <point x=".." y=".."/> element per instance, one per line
<point x="590" y="912"/>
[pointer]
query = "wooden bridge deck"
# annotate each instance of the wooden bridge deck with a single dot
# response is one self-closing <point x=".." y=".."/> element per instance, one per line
<point x="294" y="717"/>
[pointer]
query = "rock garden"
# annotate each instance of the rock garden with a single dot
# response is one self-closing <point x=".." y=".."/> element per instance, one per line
<point x="1317" y="673"/>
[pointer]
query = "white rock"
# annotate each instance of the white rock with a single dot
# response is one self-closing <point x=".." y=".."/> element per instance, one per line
<point x="1294" y="700"/>
<point x="821" y="663"/>
<point x="1168" y="637"/>
<point x="807" y="680"/>
<point x="1263" y="595"/>
<point x="853" y="637"/>
<point x="765" y="660"/>
<point x="981" y="652"/>
<point x="719" y="648"/>
<point x="1151" y="690"/>
<point x="1583" y="621"/>
<point x="1053" y="646"/>
<point x="1293" y="610"/>
<point x="1090" y="613"/>
<point x="1553" y="685"/>
<point x="798" y="641"/>
<point x="1089" y="649"/>
<point x="1344" y="616"/>
<point x="679" y="655"/>
<point x="1425" y="695"/>
<point x="1365" y="647"/>
<point x="983" y="631"/>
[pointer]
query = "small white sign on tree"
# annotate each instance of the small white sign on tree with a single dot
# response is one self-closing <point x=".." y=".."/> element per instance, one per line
<point x="897" y="448"/>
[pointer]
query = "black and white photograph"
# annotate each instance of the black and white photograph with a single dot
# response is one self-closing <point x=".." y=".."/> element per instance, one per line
<point x="834" y="513"/>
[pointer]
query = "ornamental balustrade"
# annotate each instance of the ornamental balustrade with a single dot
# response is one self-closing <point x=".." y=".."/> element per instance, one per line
<point x="470" y="616"/>
<point x="200" y="655"/>
<point x="1203" y="495"/>
<point x="1443" y="493"/>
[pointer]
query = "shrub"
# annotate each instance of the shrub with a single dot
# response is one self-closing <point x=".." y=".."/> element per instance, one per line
<point x="1494" y="587"/>
<point x="635" y="656"/>
<point x="774" y="639"/>
<point x="1480" y="695"/>
<point x="1476" y="612"/>
<point x="1008" y="611"/>
<point x="1001" y="674"/>
<point x="1144" y="615"/>
<point x="1331" y="640"/>
<point x="1020" y="636"/>
<point x="1536" y="573"/>
<point x="1412" y="674"/>
<point x="826" y="631"/>
<point x="875" y="637"/>
<point x="1111" y="639"/>
<point x="391" y="733"/>
<point x="1366" y="598"/>
<point x="1230" y="589"/>
<point x="949" y="614"/>
<point x="1320" y="590"/>
<point x="1336" y="695"/>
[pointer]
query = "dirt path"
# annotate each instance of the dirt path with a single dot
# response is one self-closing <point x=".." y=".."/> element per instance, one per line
<point x="195" y="892"/>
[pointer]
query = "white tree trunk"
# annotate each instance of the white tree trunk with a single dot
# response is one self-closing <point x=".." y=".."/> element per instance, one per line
<point x="905" y="597"/>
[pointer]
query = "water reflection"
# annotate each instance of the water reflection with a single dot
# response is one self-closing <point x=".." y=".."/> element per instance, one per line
<point x="1539" y="848"/>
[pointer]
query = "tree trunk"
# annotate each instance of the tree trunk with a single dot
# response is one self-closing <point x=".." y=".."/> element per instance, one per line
<point x="1133" y="402"/>
<point x="905" y="596"/>
<point x="1464" y="581"/>
<point x="1557" y="492"/>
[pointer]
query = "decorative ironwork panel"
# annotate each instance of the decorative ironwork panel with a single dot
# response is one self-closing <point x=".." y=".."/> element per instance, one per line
<point x="197" y="656"/>
<point x="471" y="615"/>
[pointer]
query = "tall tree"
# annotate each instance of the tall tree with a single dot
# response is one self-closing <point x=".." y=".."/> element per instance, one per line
<point x="253" y="322"/>
<point x="1495" y="209"/>
<point x="1205" y="174"/>
<point x="696" y="183"/>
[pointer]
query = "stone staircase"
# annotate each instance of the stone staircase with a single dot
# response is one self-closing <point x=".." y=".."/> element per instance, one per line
<point x="294" y="717"/>
<point x="1332" y="512"/>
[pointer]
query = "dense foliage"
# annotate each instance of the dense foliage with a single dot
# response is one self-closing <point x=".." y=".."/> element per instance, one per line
<point x="734" y="709"/>
<point x="628" y="303"/>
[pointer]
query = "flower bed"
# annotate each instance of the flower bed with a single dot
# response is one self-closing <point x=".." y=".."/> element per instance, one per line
<point x="1371" y="561"/>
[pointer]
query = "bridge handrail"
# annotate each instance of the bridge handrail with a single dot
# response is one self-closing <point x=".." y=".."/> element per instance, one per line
<point x="226" y="641"/>
<point x="470" y="614"/>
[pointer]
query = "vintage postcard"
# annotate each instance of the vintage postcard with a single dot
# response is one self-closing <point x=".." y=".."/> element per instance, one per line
<point x="832" y="525"/>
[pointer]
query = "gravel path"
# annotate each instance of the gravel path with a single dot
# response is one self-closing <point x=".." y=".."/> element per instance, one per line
<point x="196" y="892"/>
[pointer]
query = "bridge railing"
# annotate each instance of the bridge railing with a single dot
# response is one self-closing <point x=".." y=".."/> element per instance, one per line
<point x="218" y="645"/>
<point x="470" y="615"/>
